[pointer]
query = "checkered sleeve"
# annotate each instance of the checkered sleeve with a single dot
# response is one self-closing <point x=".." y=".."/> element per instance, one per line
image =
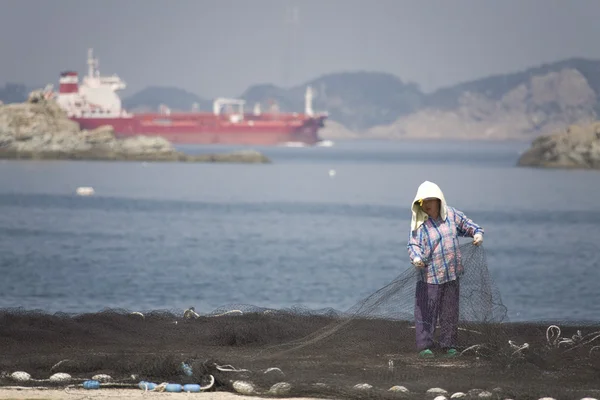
<point x="415" y="239"/>
<point x="465" y="226"/>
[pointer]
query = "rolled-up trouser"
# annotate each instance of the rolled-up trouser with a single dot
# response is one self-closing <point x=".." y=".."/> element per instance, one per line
<point x="432" y="302"/>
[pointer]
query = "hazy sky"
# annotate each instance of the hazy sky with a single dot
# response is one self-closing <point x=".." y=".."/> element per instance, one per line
<point x="220" y="47"/>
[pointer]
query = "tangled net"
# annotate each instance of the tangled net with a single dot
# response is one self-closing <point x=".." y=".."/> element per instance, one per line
<point x="367" y="351"/>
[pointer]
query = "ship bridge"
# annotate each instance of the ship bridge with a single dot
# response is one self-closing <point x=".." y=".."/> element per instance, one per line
<point x="232" y="103"/>
<point x="95" y="80"/>
<point x="95" y="96"/>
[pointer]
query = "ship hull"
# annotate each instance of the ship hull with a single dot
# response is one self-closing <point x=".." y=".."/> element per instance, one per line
<point x="208" y="129"/>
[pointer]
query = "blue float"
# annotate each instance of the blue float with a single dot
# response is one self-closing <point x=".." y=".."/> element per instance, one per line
<point x="91" y="385"/>
<point x="191" y="387"/>
<point x="146" y="385"/>
<point x="173" y="387"/>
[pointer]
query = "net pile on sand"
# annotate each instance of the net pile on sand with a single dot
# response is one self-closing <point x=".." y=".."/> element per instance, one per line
<point x="367" y="351"/>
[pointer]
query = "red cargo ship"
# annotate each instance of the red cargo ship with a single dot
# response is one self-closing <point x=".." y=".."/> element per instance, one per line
<point x="94" y="102"/>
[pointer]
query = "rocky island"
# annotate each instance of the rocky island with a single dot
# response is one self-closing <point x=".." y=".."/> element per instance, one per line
<point x="577" y="147"/>
<point x="39" y="129"/>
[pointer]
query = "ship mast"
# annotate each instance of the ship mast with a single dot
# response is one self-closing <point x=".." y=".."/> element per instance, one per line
<point x="308" y="98"/>
<point x="92" y="64"/>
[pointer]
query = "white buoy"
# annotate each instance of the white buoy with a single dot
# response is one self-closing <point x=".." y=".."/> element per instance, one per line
<point x="85" y="191"/>
<point x="438" y="391"/>
<point x="244" y="387"/>
<point x="397" y="388"/>
<point x="102" y="378"/>
<point x="280" y="388"/>
<point x="20" y="376"/>
<point x="60" y="377"/>
<point x="363" y="386"/>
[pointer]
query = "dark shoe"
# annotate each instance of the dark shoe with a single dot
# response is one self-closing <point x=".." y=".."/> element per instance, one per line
<point x="426" y="354"/>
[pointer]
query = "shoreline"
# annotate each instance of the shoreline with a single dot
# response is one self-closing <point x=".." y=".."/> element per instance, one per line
<point x="117" y="394"/>
<point x="243" y="156"/>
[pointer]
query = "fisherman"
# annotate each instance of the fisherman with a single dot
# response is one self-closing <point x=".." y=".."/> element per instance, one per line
<point x="433" y="248"/>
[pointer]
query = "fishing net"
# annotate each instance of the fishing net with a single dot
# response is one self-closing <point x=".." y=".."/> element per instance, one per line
<point x="367" y="351"/>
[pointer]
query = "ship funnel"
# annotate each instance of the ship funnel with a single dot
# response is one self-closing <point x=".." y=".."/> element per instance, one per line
<point x="308" y="97"/>
<point x="68" y="83"/>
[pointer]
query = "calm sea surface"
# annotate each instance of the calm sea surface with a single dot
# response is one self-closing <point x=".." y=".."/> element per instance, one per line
<point x="170" y="236"/>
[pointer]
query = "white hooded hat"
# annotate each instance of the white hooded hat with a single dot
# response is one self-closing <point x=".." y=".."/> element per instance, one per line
<point x="427" y="190"/>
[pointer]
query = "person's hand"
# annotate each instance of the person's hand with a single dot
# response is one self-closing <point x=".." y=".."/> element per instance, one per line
<point x="478" y="239"/>
<point x="417" y="262"/>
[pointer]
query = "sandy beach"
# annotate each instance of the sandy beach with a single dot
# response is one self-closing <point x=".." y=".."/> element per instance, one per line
<point x="56" y="394"/>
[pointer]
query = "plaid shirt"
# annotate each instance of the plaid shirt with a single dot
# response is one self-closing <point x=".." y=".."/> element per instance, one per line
<point x="436" y="243"/>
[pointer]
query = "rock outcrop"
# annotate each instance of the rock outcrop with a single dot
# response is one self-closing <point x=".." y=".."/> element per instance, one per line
<point x="541" y="105"/>
<point x="39" y="129"/>
<point x="335" y="131"/>
<point x="576" y="147"/>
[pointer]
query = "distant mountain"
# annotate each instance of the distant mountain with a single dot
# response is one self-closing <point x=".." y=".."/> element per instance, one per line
<point x="358" y="100"/>
<point x="497" y="86"/>
<point x="151" y="98"/>
<point x="518" y="105"/>
<point x="267" y="94"/>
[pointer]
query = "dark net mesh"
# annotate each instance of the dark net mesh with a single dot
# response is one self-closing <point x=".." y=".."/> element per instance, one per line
<point x="367" y="351"/>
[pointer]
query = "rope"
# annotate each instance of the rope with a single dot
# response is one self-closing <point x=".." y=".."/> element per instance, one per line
<point x="555" y="340"/>
<point x="227" y="312"/>
<point x="25" y="387"/>
<point x="230" y="368"/>
<point x="518" y="349"/>
<point x="474" y="347"/>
